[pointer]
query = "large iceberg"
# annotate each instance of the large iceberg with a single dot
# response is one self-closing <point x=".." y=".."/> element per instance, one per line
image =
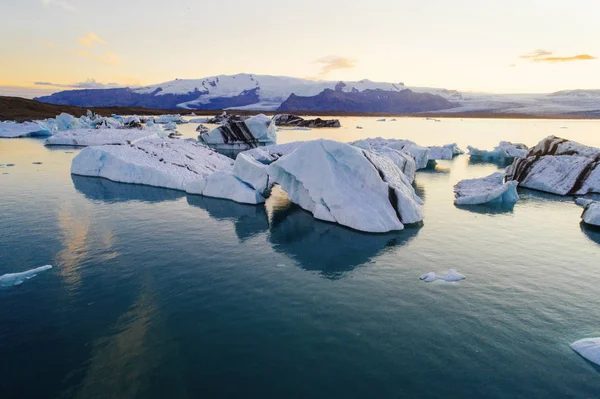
<point x="241" y="135"/>
<point x="89" y="137"/>
<point x="26" y="129"/>
<point x="588" y="348"/>
<point x="486" y="190"/>
<point x="169" y="163"/>
<point x="341" y="183"/>
<point x="418" y="153"/>
<point x="503" y="152"/>
<point x="12" y="279"/>
<point x="558" y="166"/>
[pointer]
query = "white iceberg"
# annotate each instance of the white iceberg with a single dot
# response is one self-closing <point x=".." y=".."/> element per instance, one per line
<point x="12" y="279"/>
<point x="198" y="120"/>
<point x="245" y="134"/>
<point x="227" y="186"/>
<point x="26" y="129"/>
<point x="591" y="211"/>
<point x="168" y="163"/>
<point x="486" y="190"/>
<point x="451" y="276"/>
<point x="419" y="154"/>
<point x="89" y="137"/>
<point x="503" y="152"/>
<point x="341" y="183"/>
<point x="588" y="348"/>
<point x="559" y="166"/>
<point x="445" y="152"/>
<point x="164" y="119"/>
<point x="380" y="120"/>
<point x="252" y="172"/>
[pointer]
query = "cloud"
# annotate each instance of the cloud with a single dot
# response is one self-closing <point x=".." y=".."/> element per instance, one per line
<point x="107" y="58"/>
<point x="333" y="63"/>
<point x="90" y="40"/>
<point x="547" y="56"/>
<point x="87" y="84"/>
<point x="65" y="5"/>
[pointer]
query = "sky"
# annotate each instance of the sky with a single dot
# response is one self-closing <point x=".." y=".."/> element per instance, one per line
<point x="508" y="46"/>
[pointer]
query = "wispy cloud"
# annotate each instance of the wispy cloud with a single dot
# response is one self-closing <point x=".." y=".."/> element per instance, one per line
<point x="106" y="58"/>
<point x="547" y="56"/>
<point x="65" y="5"/>
<point x="87" y="84"/>
<point x="332" y="63"/>
<point x="90" y="40"/>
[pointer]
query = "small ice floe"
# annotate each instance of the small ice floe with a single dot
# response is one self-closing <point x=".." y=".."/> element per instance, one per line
<point x="451" y="276"/>
<point x="591" y="211"/>
<point x="380" y="120"/>
<point x="12" y="279"/>
<point x="393" y="120"/>
<point x="503" y="152"/>
<point x="588" y="348"/>
<point x="486" y="190"/>
<point x="359" y="127"/>
<point x="36" y="163"/>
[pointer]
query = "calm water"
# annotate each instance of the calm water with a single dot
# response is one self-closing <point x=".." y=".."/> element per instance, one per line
<point x="157" y="294"/>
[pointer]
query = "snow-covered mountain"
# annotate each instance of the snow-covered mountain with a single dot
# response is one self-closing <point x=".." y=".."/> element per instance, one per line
<point x="264" y="92"/>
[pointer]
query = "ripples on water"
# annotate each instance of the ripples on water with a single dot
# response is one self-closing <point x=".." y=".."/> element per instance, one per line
<point x="159" y="294"/>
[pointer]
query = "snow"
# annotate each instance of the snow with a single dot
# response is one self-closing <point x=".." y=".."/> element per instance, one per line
<point x="451" y="276"/>
<point x="502" y="152"/>
<point x="241" y="135"/>
<point x="169" y="163"/>
<point x="89" y="137"/>
<point x="486" y="190"/>
<point x="337" y="182"/>
<point x="225" y="185"/>
<point x="13" y="279"/>
<point x="26" y="129"/>
<point x="588" y="348"/>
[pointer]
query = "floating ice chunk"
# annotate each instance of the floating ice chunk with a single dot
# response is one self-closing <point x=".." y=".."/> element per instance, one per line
<point x="202" y="129"/>
<point x="486" y="190"/>
<point x="505" y="151"/>
<point x="591" y="211"/>
<point x="440" y="153"/>
<point x="451" y="276"/>
<point x="294" y="120"/>
<point x="583" y="202"/>
<point x="553" y="145"/>
<point x="172" y="126"/>
<point x="380" y="120"/>
<point x="419" y="154"/>
<point x="339" y="183"/>
<point x="25" y="129"/>
<point x="588" y="348"/>
<point x="225" y="185"/>
<point x="241" y="134"/>
<point x="168" y="163"/>
<point x="88" y="137"/>
<point x="199" y="120"/>
<point x="251" y="172"/>
<point x="359" y="127"/>
<point x="164" y="119"/>
<point x="12" y="279"/>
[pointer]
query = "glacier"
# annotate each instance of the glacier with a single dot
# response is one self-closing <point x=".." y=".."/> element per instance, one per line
<point x="486" y="190"/>
<point x="13" y="279"/>
<point x="558" y="166"/>
<point x="341" y="183"/>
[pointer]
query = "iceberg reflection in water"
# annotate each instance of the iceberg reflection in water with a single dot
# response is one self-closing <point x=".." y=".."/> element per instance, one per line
<point x="100" y="189"/>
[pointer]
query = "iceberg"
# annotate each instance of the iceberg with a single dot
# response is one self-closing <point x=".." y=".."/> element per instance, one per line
<point x="164" y="119"/>
<point x="445" y="152"/>
<point x="419" y="154"/>
<point x="451" y="276"/>
<point x="89" y="137"/>
<point x="198" y="120"/>
<point x="296" y="121"/>
<point x="558" y="166"/>
<point x="486" y="190"/>
<point x="26" y="129"/>
<point x="271" y="153"/>
<point x="225" y="118"/>
<point x="13" y="279"/>
<point x="588" y="348"/>
<point x="503" y="152"/>
<point x="251" y="172"/>
<point x="591" y="211"/>
<point x="202" y="129"/>
<point x="256" y="131"/>
<point x="227" y="186"/>
<point x="341" y="183"/>
<point x="168" y="163"/>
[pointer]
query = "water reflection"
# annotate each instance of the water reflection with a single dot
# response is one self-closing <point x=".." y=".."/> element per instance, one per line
<point x="499" y="162"/>
<point x="488" y="209"/>
<point x="99" y="189"/>
<point x="328" y="248"/>
<point x="249" y="220"/>
<point x="74" y="232"/>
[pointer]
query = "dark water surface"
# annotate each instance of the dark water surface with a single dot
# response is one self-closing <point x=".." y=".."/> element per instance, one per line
<point x="156" y="294"/>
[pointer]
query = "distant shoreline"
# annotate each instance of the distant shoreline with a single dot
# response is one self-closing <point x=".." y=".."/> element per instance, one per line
<point x="21" y="110"/>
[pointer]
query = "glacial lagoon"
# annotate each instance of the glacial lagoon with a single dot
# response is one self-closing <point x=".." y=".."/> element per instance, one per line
<point x="155" y="293"/>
